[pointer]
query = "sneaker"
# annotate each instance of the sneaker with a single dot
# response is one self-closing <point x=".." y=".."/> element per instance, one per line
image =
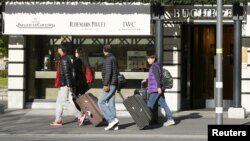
<point x="81" y="119"/>
<point x="169" y="122"/>
<point x="56" y="123"/>
<point x="112" y="124"/>
<point x="116" y="127"/>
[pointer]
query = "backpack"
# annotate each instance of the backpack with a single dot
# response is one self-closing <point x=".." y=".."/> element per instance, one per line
<point x="167" y="79"/>
<point x="89" y="75"/>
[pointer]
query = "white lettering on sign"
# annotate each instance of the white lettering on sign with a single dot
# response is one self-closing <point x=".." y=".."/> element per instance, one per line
<point x="231" y="133"/>
<point x="198" y="13"/>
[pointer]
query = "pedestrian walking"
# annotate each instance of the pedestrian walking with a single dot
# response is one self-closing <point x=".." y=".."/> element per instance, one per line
<point x="156" y="93"/>
<point x="64" y="81"/>
<point x="106" y="101"/>
<point x="80" y="63"/>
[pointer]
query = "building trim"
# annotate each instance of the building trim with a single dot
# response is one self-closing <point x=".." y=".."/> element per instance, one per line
<point x="16" y="89"/>
<point x="16" y="75"/>
<point x="171" y="64"/>
<point x="247" y="93"/>
<point x="14" y="62"/>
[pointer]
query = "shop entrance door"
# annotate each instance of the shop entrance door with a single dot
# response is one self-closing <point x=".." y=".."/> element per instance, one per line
<point x="198" y="52"/>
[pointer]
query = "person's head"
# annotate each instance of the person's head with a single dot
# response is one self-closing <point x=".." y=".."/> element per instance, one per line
<point x="151" y="58"/>
<point x="79" y="52"/>
<point x="107" y="49"/>
<point x="82" y="54"/>
<point x="62" y="49"/>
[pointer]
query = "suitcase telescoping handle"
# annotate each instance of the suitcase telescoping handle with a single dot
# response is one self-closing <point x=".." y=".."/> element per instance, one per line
<point x="142" y="86"/>
<point x="74" y="95"/>
<point x="119" y="92"/>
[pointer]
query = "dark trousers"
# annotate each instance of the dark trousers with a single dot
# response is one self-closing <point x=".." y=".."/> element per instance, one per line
<point x="80" y="90"/>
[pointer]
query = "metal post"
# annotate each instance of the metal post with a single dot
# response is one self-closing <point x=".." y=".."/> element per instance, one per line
<point x="219" y="65"/>
<point x="159" y="40"/>
<point x="237" y="60"/>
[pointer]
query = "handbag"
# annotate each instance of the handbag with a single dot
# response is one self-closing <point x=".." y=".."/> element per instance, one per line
<point x="122" y="82"/>
<point x="89" y="75"/>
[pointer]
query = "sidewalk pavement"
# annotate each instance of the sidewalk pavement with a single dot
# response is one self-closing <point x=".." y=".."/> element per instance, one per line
<point x="36" y="122"/>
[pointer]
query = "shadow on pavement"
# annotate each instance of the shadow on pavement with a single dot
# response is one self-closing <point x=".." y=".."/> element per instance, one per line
<point x="189" y="116"/>
<point x="126" y="125"/>
<point x="247" y="123"/>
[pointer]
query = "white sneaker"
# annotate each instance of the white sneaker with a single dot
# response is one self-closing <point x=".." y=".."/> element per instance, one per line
<point x="169" y="122"/>
<point x="116" y="127"/>
<point x="112" y="124"/>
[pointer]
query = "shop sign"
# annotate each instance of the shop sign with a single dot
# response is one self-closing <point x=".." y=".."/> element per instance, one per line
<point x="75" y="18"/>
<point x="197" y="13"/>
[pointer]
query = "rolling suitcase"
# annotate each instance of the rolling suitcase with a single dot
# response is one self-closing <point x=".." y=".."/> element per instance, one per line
<point x="138" y="110"/>
<point x="88" y="104"/>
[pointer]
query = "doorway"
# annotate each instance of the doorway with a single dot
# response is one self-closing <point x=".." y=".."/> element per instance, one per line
<point x="198" y="52"/>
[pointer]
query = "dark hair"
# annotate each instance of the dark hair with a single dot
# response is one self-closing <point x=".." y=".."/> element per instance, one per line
<point x="152" y="56"/>
<point x="107" y="48"/>
<point x="150" y="51"/>
<point x="83" y="56"/>
<point x="65" y="46"/>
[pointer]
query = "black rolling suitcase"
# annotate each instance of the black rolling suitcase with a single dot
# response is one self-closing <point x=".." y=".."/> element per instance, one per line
<point x="138" y="110"/>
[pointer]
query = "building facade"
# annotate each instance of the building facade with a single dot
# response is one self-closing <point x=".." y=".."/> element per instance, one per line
<point x="189" y="42"/>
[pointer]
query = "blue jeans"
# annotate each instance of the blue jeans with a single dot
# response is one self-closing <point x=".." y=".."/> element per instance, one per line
<point x="106" y="103"/>
<point x="153" y="98"/>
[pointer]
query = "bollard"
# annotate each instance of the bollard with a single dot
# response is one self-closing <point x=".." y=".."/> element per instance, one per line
<point x="1" y="108"/>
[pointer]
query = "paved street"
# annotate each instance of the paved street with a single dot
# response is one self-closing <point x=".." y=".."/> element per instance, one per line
<point x="31" y="124"/>
<point x="98" y="137"/>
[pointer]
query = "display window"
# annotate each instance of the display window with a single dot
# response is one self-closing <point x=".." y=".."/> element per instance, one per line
<point x="129" y="51"/>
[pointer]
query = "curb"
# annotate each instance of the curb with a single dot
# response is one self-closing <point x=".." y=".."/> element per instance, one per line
<point x="113" y="135"/>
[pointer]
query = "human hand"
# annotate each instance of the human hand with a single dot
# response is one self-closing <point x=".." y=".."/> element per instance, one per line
<point x="106" y="88"/>
<point x="159" y="91"/>
<point x="144" y="81"/>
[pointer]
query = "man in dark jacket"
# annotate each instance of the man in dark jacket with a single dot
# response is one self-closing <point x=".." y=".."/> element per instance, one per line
<point x="65" y="79"/>
<point x="109" y="81"/>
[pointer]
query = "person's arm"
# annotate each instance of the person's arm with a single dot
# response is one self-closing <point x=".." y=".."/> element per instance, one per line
<point x="107" y="75"/>
<point x="78" y="66"/>
<point x="157" y="76"/>
<point x="67" y="70"/>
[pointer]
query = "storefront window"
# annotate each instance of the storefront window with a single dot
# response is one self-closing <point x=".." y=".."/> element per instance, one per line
<point x="129" y="51"/>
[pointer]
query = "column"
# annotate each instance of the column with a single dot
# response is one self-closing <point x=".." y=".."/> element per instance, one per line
<point x="16" y="72"/>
